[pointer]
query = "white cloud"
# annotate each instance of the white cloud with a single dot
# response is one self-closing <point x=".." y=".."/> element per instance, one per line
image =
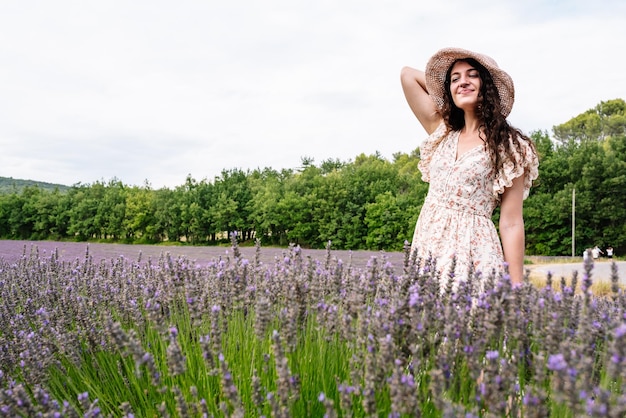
<point x="156" y="90"/>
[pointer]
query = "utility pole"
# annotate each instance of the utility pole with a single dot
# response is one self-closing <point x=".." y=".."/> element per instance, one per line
<point x="574" y="222"/>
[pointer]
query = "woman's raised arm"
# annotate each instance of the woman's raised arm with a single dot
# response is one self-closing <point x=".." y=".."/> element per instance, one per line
<point x="414" y="87"/>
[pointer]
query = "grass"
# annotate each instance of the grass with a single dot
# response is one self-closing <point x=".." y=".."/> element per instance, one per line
<point x="114" y="374"/>
<point x="599" y="288"/>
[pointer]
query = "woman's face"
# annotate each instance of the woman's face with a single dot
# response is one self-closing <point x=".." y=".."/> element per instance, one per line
<point x="465" y="84"/>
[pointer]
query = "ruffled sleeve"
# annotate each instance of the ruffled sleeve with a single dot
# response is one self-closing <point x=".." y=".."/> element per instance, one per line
<point x="527" y="164"/>
<point x="427" y="149"/>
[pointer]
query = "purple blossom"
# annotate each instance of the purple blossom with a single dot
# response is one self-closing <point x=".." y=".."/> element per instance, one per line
<point x="530" y="399"/>
<point x="620" y="331"/>
<point x="346" y="389"/>
<point x="556" y="362"/>
<point x="408" y="380"/>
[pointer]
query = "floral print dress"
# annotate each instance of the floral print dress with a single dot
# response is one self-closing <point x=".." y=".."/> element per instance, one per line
<point x="455" y="219"/>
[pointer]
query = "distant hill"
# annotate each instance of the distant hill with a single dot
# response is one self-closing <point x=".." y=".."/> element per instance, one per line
<point x="9" y="185"/>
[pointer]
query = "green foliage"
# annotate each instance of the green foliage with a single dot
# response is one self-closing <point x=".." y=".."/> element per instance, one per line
<point x="606" y="119"/>
<point x="385" y="222"/>
<point x="588" y="159"/>
<point x="369" y="203"/>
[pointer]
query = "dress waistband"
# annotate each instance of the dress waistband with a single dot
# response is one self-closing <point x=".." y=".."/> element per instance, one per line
<point x="465" y="207"/>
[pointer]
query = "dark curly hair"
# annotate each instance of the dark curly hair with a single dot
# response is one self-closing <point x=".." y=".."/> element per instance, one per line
<point x="495" y="131"/>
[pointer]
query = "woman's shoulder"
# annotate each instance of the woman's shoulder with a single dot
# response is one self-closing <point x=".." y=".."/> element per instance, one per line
<point x="519" y="158"/>
<point x="435" y="138"/>
<point x="428" y="148"/>
<point x="440" y="131"/>
<point x="518" y="145"/>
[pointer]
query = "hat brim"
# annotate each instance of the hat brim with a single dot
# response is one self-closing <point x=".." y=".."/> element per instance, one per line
<point x="438" y="65"/>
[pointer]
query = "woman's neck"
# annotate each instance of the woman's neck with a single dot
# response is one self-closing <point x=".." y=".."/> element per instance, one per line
<point x="472" y="125"/>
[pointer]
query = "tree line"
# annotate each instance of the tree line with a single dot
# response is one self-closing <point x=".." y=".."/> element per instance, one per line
<point x="368" y="203"/>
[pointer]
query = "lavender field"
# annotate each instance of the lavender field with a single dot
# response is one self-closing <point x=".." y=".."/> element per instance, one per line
<point x="129" y="331"/>
<point x="12" y="250"/>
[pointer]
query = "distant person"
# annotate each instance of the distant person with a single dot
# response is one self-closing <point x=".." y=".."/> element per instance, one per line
<point x="586" y="254"/>
<point x="609" y="252"/>
<point x="595" y="252"/>
<point x="474" y="161"/>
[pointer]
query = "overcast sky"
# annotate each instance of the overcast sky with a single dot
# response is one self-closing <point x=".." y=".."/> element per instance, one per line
<point x="158" y="90"/>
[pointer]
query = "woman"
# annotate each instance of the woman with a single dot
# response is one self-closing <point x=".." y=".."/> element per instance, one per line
<point x="474" y="161"/>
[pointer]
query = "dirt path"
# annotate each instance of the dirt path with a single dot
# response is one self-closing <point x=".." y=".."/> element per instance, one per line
<point x="601" y="270"/>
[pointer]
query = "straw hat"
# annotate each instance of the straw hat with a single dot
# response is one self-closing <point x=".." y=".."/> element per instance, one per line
<point x="439" y="64"/>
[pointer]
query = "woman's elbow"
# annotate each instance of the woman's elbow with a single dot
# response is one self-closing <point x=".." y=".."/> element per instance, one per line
<point x="512" y="224"/>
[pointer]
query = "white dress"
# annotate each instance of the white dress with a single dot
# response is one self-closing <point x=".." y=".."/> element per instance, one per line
<point x="455" y="219"/>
